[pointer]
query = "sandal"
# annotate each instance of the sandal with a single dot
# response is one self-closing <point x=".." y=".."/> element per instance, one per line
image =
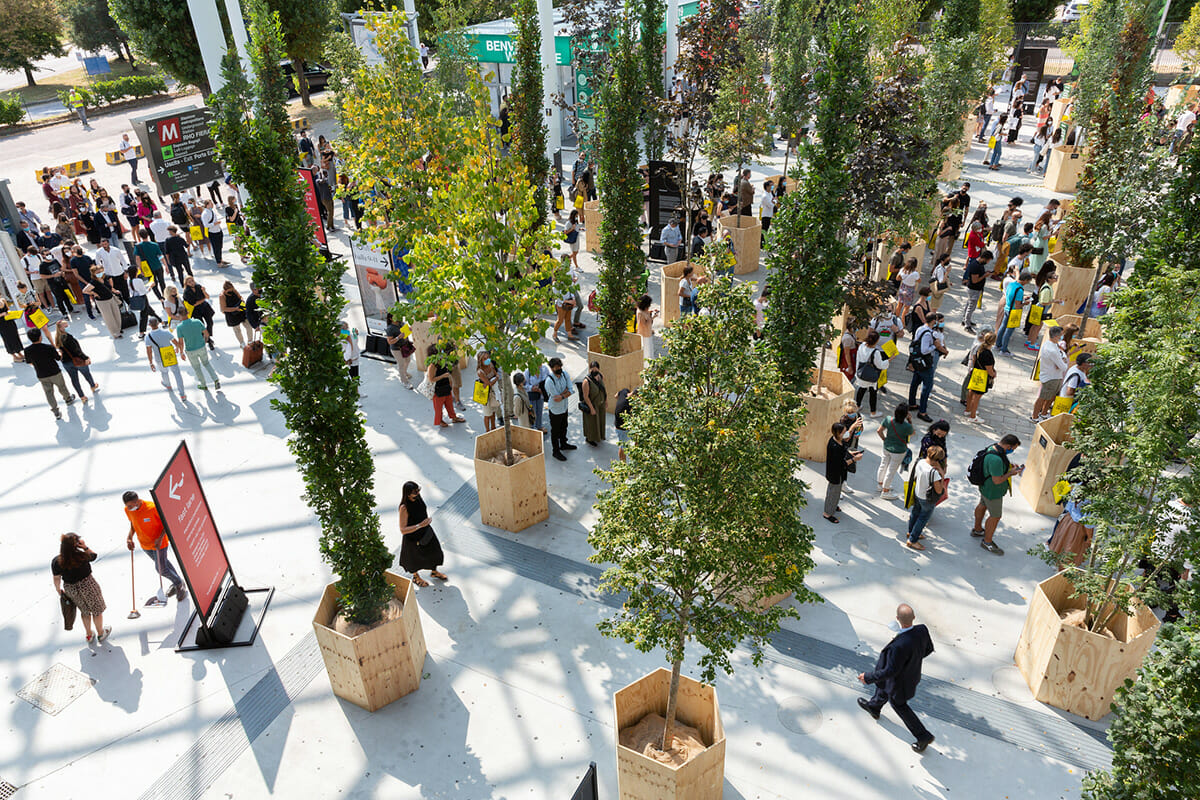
<point x="914" y="545"/>
<point x="834" y="520"/>
<point x="419" y="581"/>
<point x="440" y="576"/>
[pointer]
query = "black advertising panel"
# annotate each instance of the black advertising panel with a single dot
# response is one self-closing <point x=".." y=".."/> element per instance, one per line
<point x="666" y="200"/>
<point x="180" y="148"/>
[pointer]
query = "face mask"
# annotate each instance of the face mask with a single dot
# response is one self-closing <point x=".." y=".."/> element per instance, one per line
<point x="558" y="372"/>
<point x="852" y="416"/>
<point x="487" y="362"/>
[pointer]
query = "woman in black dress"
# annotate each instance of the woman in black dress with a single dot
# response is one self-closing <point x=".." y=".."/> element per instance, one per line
<point x="420" y="548"/>
<point x="10" y="333"/>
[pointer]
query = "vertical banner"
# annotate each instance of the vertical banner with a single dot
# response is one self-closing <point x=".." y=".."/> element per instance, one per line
<point x="314" y="209"/>
<point x="191" y="530"/>
<point x="373" y="270"/>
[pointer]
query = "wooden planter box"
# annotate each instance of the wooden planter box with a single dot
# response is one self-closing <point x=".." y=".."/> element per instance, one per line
<point x="1089" y="331"/>
<point x="1073" y="288"/>
<point x="381" y="665"/>
<point x="1074" y="669"/>
<point x="591" y="226"/>
<point x="823" y="411"/>
<point x="952" y="159"/>
<point x="512" y="498"/>
<point x="422" y="337"/>
<point x="669" y="288"/>
<point x="1087" y="341"/>
<point x="883" y="253"/>
<point x="1065" y="168"/>
<point x="747" y="242"/>
<point x="620" y="372"/>
<point x="1049" y="455"/>
<point x="643" y="778"/>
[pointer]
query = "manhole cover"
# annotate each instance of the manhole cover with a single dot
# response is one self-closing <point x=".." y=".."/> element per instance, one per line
<point x="7" y="790"/>
<point x="800" y="715"/>
<point x="55" y="689"/>
<point x="1011" y="685"/>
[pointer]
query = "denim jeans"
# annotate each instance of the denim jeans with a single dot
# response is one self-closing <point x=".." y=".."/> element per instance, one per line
<point x="996" y="151"/>
<point x="538" y="401"/>
<point x="1005" y="336"/>
<point x="164" y="566"/>
<point x="922" y="510"/>
<point x="73" y="372"/>
<point x="924" y="378"/>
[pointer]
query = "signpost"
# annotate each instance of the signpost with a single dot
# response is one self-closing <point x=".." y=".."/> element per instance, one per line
<point x="194" y="538"/>
<point x="180" y="149"/>
<point x="310" y="201"/>
<point x="666" y="201"/>
<point x="378" y="291"/>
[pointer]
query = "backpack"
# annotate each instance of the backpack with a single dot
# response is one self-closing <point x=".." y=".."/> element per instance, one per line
<point x="975" y="474"/>
<point x="868" y="371"/>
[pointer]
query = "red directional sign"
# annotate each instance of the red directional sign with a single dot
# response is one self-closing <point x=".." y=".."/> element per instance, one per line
<point x="189" y="523"/>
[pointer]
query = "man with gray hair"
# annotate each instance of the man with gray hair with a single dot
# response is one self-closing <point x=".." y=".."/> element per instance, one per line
<point x="897" y="673"/>
<point x="1051" y="367"/>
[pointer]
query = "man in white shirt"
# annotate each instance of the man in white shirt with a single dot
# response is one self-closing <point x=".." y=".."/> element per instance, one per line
<point x="158" y="228"/>
<point x="768" y="208"/>
<point x="114" y="263"/>
<point x="671" y="238"/>
<point x="129" y="154"/>
<point x="59" y="182"/>
<point x="1051" y="366"/>
<point x="1183" y="125"/>
<point x="211" y="220"/>
<point x="1077" y="377"/>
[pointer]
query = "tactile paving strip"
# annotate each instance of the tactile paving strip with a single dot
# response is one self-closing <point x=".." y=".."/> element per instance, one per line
<point x="7" y="790"/>
<point x="55" y="689"/>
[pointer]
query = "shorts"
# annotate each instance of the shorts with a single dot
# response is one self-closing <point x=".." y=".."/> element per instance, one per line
<point x="39" y="284"/>
<point x="1050" y="389"/>
<point x="575" y="246"/>
<point x="994" y="505"/>
<point x="622" y="436"/>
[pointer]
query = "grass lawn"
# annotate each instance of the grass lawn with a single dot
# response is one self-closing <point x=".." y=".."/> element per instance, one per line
<point x="48" y="85"/>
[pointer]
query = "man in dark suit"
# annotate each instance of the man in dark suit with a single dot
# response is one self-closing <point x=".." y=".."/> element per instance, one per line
<point x="897" y="674"/>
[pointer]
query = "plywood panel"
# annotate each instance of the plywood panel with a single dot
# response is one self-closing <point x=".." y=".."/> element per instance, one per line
<point x="642" y="778"/>
<point x="620" y="372"/>
<point x="512" y="498"/>
<point x="1048" y="458"/>
<point x="422" y="337"/>
<point x="591" y="226"/>
<point x="1074" y="669"/>
<point x="669" y="288"/>
<point x="1065" y="168"/>
<point x="1073" y="288"/>
<point x="822" y="412"/>
<point x="381" y="665"/>
<point x="747" y="241"/>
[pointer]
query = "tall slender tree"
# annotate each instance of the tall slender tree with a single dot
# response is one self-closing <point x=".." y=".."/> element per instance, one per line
<point x="29" y="30"/>
<point x="528" y="121"/>
<point x="305" y="25"/>
<point x="303" y="301"/>
<point x="162" y="33"/>
<point x="653" y="44"/>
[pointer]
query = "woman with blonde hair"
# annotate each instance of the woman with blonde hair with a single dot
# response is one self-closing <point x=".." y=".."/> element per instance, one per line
<point x="984" y="360"/>
<point x="488" y="377"/>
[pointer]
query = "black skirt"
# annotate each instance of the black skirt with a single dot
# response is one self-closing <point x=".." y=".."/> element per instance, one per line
<point x="414" y="556"/>
<point x="12" y="338"/>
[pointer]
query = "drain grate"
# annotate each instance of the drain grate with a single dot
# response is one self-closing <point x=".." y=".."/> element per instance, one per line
<point x="54" y="690"/>
<point x="7" y="790"/>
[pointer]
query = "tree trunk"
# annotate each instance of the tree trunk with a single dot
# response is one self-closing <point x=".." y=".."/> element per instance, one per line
<point x="129" y="57"/>
<point x="29" y="75"/>
<point x="820" y="372"/>
<point x="505" y="413"/>
<point x="673" y="691"/>
<point x="299" y="66"/>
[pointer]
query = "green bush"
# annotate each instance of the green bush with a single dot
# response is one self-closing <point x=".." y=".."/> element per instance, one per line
<point x="107" y="92"/>
<point x="12" y="110"/>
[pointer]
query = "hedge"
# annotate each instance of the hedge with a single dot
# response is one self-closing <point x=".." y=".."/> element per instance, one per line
<point x="12" y="110"/>
<point x="106" y="92"/>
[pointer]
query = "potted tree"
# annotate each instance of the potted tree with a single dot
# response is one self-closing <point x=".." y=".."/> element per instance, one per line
<point x="622" y="261"/>
<point x="698" y="527"/>
<point x="1137" y="482"/>
<point x="368" y="609"/>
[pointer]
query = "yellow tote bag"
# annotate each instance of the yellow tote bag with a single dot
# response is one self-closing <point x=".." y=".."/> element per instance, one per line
<point x="889" y="348"/>
<point x="882" y="378"/>
<point x="1060" y="490"/>
<point x="145" y="269"/>
<point x="13" y="314"/>
<point x="1035" y="315"/>
<point x="1014" y="318"/>
<point x="481" y="393"/>
<point x="167" y="354"/>
<point x="196" y="232"/>
<point x="405" y="331"/>
<point x="71" y="296"/>
<point x="188" y="308"/>
<point x="559" y="203"/>
<point x="978" y="382"/>
<point x="39" y="318"/>
<point x="1062" y="405"/>
<point x="1036" y="375"/>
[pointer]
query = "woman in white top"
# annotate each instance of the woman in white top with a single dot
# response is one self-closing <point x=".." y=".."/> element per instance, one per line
<point x="874" y="361"/>
<point x="1040" y="140"/>
<point x="939" y="281"/>
<point x="910" y="279"/>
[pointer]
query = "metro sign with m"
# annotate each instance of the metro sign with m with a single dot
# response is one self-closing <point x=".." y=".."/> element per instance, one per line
<point x="169" y="132"/>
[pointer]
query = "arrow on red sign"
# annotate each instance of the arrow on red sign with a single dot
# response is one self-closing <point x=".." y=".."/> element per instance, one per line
<point x="173" y="487"/>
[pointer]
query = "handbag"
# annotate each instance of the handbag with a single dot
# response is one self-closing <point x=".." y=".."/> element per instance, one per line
<point x="482" y="393"/>
<point x="919" y="363"/>
<point x="559" y="203"/>
<point x="883" y="379"/>
<point x="138" y="301"/>
<point x="868" y="371"/>
<point x="1014" y="318"/>
<point x="425" y="388"/>
<point x="1062" y="405"/>
<point x="80" y="362"/>
<point x="426" y="537"/>
<point x="196" y="232"/>
<point x="979" y="381"/>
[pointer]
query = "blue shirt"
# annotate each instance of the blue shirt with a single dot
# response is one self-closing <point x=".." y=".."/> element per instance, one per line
<point x="1016" y="295"/>
<point x="554" y="386"/>
<point x="671" y="236"/>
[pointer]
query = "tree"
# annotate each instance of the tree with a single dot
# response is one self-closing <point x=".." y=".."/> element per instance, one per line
<point x="653" y="42"/>
<point x="1033" y="10"/>
<point x="790" y="38"/>
<point x="29" y="30"/>
<point x="306" y="24"/>
<point x="163" y="33"/>
<point x="525" y="105"/>
<point x="621" y="257"/>
<point x="303" y="300"/>
<point x="1187" y="43"/>
<point x="90" y="26"/>
<point x="1155" y="738"/>
<point x="486" y="272"/>
<point x="810" y="256"/>
<point x="699" y="523"/>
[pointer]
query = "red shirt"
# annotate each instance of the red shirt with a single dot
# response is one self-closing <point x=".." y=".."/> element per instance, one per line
<point x="974" y="244"/>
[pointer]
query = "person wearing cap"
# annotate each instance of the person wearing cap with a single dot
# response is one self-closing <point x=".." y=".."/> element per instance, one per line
<point x="1077" y="377"/>
<point x="145" y="523"/>
<point x="1015" y="299"/>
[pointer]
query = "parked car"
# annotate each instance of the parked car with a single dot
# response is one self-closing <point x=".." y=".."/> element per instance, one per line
<point x="1074" y="10"/>
<point x="317" y="74"/>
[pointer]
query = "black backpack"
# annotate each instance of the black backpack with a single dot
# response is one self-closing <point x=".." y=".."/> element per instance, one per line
<point x="975" y="474"/>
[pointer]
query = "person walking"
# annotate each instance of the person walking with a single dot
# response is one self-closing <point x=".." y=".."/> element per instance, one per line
<point x="895" y="433"/>
<point x="595" y="400"/>
<point x="922" y="360"/>
<point x="162" y="347"/>
<point x="870" y="362"/>
<point x="439" y="377"/>
<point x="196" y="296"/>
<point x="488" y="385"/>
<point x="115" y="265"/>
<point x="72" y="574"/>
<point x="401" y="348"/>
<point x="234" y="309"/>
<point x="129" y="155"/>
<point x="177" y="249"/>
<point x="75" y="362"/>
<point x="975" y="280"/>
<point x="145" y="523"/>
<point x="571" y="232"/>
<point x="981" y="372"/>
<point x="45" y="359"/>
<point x="992" y="473"/>
<point x="150" y="254"/>
<point x="106" y="301"/>
<point x="194" y="336"/>
<point x="10" y="333"/>
<point x="419" y="545"/>
<point x="897" y="673"/>
<point x="929" y="482"/>
<point x="75" y="102"/>
<point x="139" y="301"/>
<point x="839" y="460"/>
<point x="558" y="389"/>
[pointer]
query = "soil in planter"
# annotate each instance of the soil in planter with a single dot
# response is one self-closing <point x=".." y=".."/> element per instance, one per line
<point x="1076" y="619"/>
<point x="518" y="457"/>
<point x="825" y="393"/>
<point x="646" y="736"/>
<point x="391" y="611"/>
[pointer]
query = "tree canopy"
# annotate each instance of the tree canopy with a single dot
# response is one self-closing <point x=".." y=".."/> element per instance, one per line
<point x="29" y="30"/>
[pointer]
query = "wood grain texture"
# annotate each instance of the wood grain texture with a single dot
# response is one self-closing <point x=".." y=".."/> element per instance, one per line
<point x="1063" y="172"/>
<point x="823" y="411"/>
<point x="512" y="498"/>
<point x="1046" y="462"/>
<point x="591" y="226"/>
<point x="668" y="284"/>
<point x="747" y="241"/>
<point x="620" y="372"/>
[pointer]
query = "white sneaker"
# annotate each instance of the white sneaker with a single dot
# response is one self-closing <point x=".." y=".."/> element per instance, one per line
<point x="889" y="495"/>
<point x="847" y="490"/>
<point x="104" y="633"/>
